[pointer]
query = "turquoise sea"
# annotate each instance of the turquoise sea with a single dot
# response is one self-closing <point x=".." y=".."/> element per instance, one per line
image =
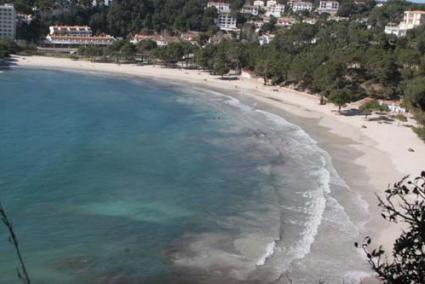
<point x="118" y="180"/>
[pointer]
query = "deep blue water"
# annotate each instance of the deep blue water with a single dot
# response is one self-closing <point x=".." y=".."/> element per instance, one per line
<point x="115" y="180"/>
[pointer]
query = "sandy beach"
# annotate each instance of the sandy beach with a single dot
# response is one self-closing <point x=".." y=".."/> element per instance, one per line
<point x="382" y="155"/>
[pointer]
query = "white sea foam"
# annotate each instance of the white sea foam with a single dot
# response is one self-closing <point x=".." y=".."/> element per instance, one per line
<point x="317" y="196"/>
<point x="269" y="252"/>
<point x="325" y="175"/>
<point x="302" y="247"/>
<point x="236" y="103"/>
<point x="301" y="146"/>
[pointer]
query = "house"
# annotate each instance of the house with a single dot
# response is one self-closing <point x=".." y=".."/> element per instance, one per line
<point x="310" y="21"/>
<point x="411" y="20"/>
<point x="105" y="2"/>
<point x="265" y="39"/>
<point x="330" y="7"/>
<point x="259" y="3"/>
<point x="396" y="108"/>
<point x="250" y="10"/>
<point x="271" y="3"/>
<point x="274" y="9"/>
<point x="393" y="106"/>
<point x="394" y="29"/>
<point x="160" y="40"/>
<point x="75" y="36"/>
<point x="225" y="21"/>
<point x="7" y="22"/>
<point x="299" y="6"/>
<point x="190" y="36"/>
<point x="285" y="21"/>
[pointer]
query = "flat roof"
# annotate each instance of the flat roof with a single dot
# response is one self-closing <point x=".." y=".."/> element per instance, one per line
<point x="415" y="11"/>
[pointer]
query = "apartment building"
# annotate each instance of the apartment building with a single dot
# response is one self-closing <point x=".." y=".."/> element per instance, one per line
<point x="330" y="7"/>
<point x="7" y="22"/>
<point x="299" y="6"/>
<point x="411" y="20"/>
<point x="225" y="21"/>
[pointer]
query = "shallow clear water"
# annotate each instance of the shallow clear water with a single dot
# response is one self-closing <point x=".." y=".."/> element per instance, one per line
<point x="113" y="180"/>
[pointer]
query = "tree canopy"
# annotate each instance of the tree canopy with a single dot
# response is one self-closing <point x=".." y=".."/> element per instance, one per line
<point x="6" y="48"/>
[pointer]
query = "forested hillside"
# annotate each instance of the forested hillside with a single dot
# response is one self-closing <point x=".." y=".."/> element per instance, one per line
<point x="123" y="17"/>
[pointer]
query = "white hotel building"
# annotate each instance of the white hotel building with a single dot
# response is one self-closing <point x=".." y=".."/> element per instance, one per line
<point x="7" y="22"/>
<point x="411" y="20"/>
<point x="76" y="36"/>
<point x="225" y="21"/>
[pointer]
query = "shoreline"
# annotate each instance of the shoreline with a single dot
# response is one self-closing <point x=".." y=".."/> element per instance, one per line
<point x="379" y="158"/>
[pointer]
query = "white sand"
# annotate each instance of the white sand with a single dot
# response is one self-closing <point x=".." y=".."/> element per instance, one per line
<point x="384" y="146"/>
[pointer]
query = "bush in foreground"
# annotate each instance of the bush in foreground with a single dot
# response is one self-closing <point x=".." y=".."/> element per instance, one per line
<point x="404" y="202"/>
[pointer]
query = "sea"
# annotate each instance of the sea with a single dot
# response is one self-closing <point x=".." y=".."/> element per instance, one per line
<point x="111" y="179"/>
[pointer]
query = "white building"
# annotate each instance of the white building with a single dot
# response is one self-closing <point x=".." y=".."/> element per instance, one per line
<point x="226" y="22"/>
<point x="250" y="10"/>
<point x="310" y="21"/>
<point x="259" y="3"/>
<point x="190" y="36"/>
<point x="271" y="3"/>
<point x="221" y="6"/>
<point x="160" y="40"/>
<point x="7" y="22"/>
<point x="411" y="20"/>
<point x="274" y="9"/>
<point x="105" y="2"/>
<point x="396" y="108"/>
<point x="265" y="39"/>
<point x="393" y="29"/>
<point x="76" y="36"/>
<point x="299" y="6"/>
<point x="70" y="31"/>
<point x="330" y="7"/>
<point x="285" y="21"/>
<point x="80" y="40"/>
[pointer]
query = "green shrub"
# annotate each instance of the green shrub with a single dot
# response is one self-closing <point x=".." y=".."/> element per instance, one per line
<point x="420" y="131"/>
